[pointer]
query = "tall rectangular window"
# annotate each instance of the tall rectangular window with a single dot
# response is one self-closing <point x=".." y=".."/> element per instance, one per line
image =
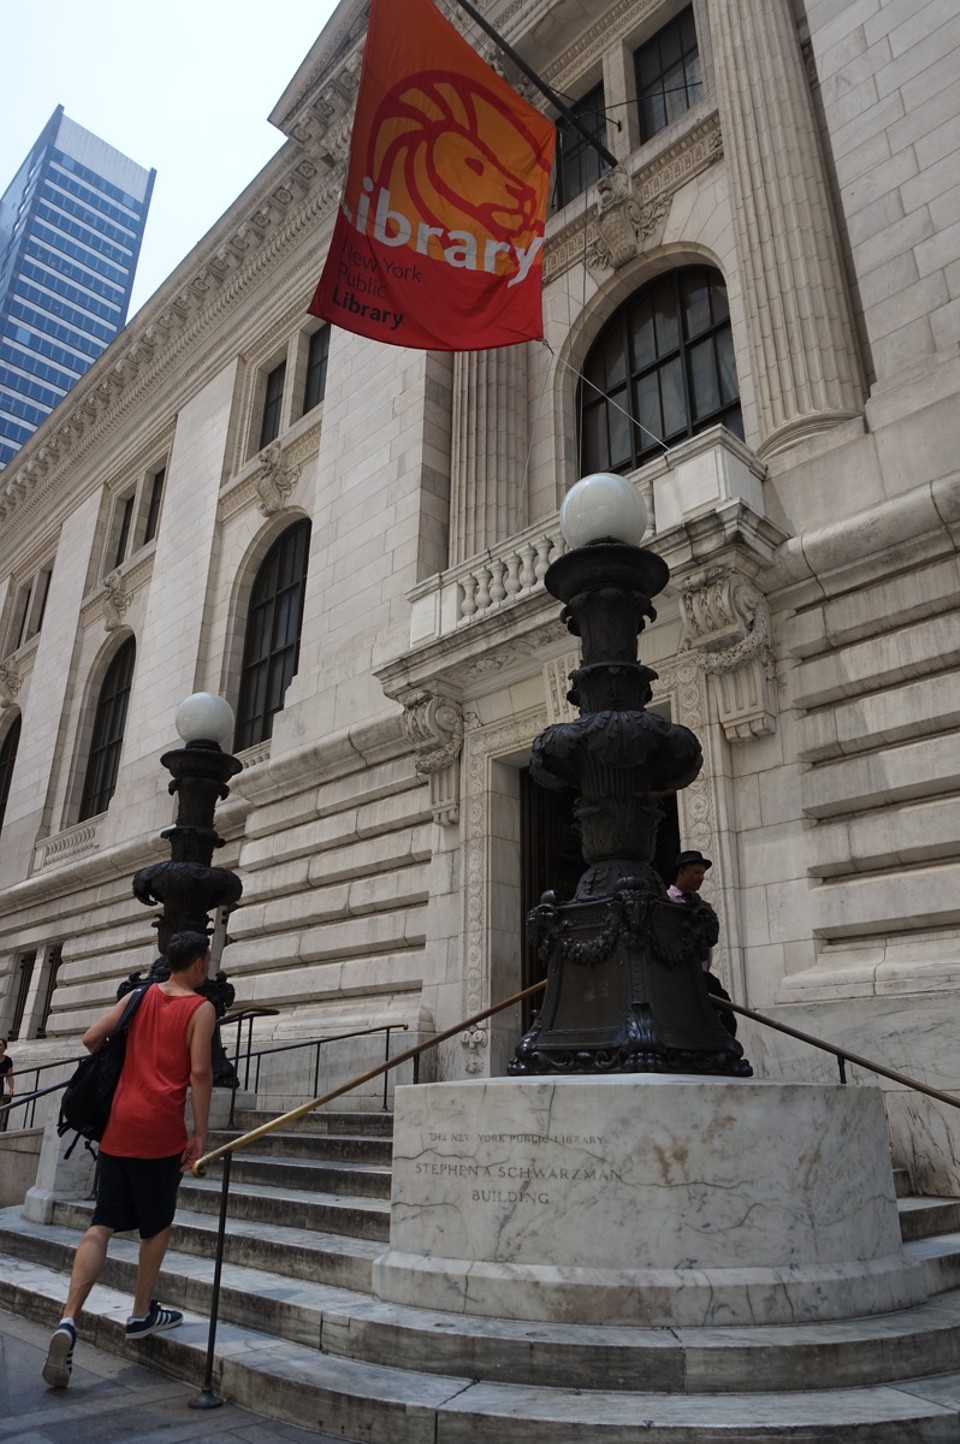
<point x="273" y="401"/>
<point x="40" y="601"/>
<point x="153" y="506"/>
<point x="109" y="722"/>
<point x="54" y="959"/>
<point x="18" y="632"/>
<point x="579" y="164"/>
<point x="29" y="606"/>
<point x="316" y="382"/>
<point x="123" y="535"/>
<point x="669" y="75"/>
<point x="8" y="758"/>
<point x="21" y="983"/>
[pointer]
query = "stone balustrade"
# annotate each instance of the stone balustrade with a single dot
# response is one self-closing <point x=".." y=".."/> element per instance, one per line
<point x="514" y="569"/>
<point x="694" y="477"/>
<point x="68" y="845"/>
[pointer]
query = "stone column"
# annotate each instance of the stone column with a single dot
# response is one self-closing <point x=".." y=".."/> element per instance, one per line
<point x="487" y="500"/>
<point x="802" y="342"/>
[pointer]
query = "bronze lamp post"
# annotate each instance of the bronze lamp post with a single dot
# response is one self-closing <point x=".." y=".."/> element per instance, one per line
<point x="625" y="980"/>
<point x="187" y="887"/>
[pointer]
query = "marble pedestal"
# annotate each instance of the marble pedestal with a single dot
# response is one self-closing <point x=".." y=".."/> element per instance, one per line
<point x="651" y="1199"/>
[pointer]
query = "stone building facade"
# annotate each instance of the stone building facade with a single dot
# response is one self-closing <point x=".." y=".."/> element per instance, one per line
<point x="771" y="277"/>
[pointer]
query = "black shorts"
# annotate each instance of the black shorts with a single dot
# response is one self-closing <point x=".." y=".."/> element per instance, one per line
<point x="138" y="1193"/>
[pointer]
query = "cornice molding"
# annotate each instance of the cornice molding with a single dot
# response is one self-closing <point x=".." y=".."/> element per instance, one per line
<point x="343" y="35"/>
<point x="591" y="44"/>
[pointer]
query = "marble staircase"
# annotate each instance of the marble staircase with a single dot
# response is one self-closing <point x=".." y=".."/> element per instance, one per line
<point x="302" y="1338"/>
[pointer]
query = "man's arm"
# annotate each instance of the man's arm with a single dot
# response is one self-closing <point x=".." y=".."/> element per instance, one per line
<point x="201" y="1081"/>
<point x="98" y="1032"/>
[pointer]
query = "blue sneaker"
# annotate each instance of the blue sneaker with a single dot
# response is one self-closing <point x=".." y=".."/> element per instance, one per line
<point x="153" y="1322"/>
<point x="57" y="1369"/>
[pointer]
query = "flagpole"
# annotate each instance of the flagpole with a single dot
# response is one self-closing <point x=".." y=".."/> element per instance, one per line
<point x="541" y="85"/>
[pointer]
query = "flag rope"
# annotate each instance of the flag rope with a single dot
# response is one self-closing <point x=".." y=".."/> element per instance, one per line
<point x="609" y="399"/>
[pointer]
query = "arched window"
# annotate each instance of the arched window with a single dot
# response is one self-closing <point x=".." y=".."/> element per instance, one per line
<point x="108" y="724"/>
<point x="271" y="647"/>
<point x="8" y="756"/>
<point x="666" y="360"/>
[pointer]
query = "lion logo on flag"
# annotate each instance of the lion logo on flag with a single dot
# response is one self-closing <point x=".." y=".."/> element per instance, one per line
<point x="452" y="154"/>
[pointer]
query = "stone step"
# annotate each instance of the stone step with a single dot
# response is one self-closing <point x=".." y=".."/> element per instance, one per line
<point x="355" y="1217"/>
<point x="324" y="1147"/>
<point x="363" y="1216"/>
<point x="924" y="1217"/>
<point x="358" y="1401"/>
<point x="370" y="1123"/>
<point x="353" y="1180"/>
<point x="344" y="1322"/>
<point x="297" y="1253"/>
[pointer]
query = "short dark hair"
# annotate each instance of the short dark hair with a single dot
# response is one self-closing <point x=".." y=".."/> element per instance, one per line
<point x="184" y="948"/>
<point x="3" y="1041"/>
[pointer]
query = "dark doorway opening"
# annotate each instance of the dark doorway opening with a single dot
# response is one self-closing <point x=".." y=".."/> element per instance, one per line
<point x="550" y="859"/>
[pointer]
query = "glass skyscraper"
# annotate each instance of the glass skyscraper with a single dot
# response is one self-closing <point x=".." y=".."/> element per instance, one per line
<point x="71" y="224"/>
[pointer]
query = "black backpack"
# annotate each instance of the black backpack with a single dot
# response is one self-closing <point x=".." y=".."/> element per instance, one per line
<point x="88" y="1097"/>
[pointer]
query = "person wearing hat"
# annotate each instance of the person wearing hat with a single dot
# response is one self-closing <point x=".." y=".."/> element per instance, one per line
<point x="689" y="871"/>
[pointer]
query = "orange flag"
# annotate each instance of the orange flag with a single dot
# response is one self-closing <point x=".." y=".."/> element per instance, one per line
<point x="438" y="243"/>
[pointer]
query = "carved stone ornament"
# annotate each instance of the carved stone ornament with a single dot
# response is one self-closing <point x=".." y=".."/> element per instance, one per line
<point x="433" y="724"/>
<point x="275" y="480"/>
<point x="726" y="622"/>
<point x="623" y="222"/>
<point x="116" y="600"/>
<point x="473" y="1041"/>
<point x="10" y="680"/>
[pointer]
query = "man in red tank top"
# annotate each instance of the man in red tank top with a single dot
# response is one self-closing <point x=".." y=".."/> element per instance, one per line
<point x="145" y="1147"/>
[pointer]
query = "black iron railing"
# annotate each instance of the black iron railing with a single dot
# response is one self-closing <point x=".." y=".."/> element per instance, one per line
<point x="28" y="1099"/>
<point x="843" y="1055"/>
<point x="249" y="1059"/>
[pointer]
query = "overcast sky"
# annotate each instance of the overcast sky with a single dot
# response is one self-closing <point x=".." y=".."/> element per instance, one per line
<point x="184" y="86"/>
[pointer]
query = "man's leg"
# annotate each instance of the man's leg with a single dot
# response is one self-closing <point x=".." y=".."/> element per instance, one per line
<point x="155" y="1183"/>
<point x="152" y="1251"/>
<point x="88" y="1264"/>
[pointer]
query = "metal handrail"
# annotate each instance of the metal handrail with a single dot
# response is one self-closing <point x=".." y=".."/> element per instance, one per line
<point x="842" y="1055"/>
<point x="7" y="1104"/>
<point x="318" y="1043"/>
<point x="248" y="1016"/>
<point x="10" y="1101"/>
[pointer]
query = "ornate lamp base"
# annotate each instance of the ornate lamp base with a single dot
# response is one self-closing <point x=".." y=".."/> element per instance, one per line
<point x="625" y="990"/>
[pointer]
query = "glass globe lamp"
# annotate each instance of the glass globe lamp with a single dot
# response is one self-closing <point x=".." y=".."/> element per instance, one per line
<point x="603" y="507"/>
<point x="205" y="717"/>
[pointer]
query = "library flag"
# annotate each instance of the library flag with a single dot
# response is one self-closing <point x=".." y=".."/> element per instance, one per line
<point x="438" y="242"/>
